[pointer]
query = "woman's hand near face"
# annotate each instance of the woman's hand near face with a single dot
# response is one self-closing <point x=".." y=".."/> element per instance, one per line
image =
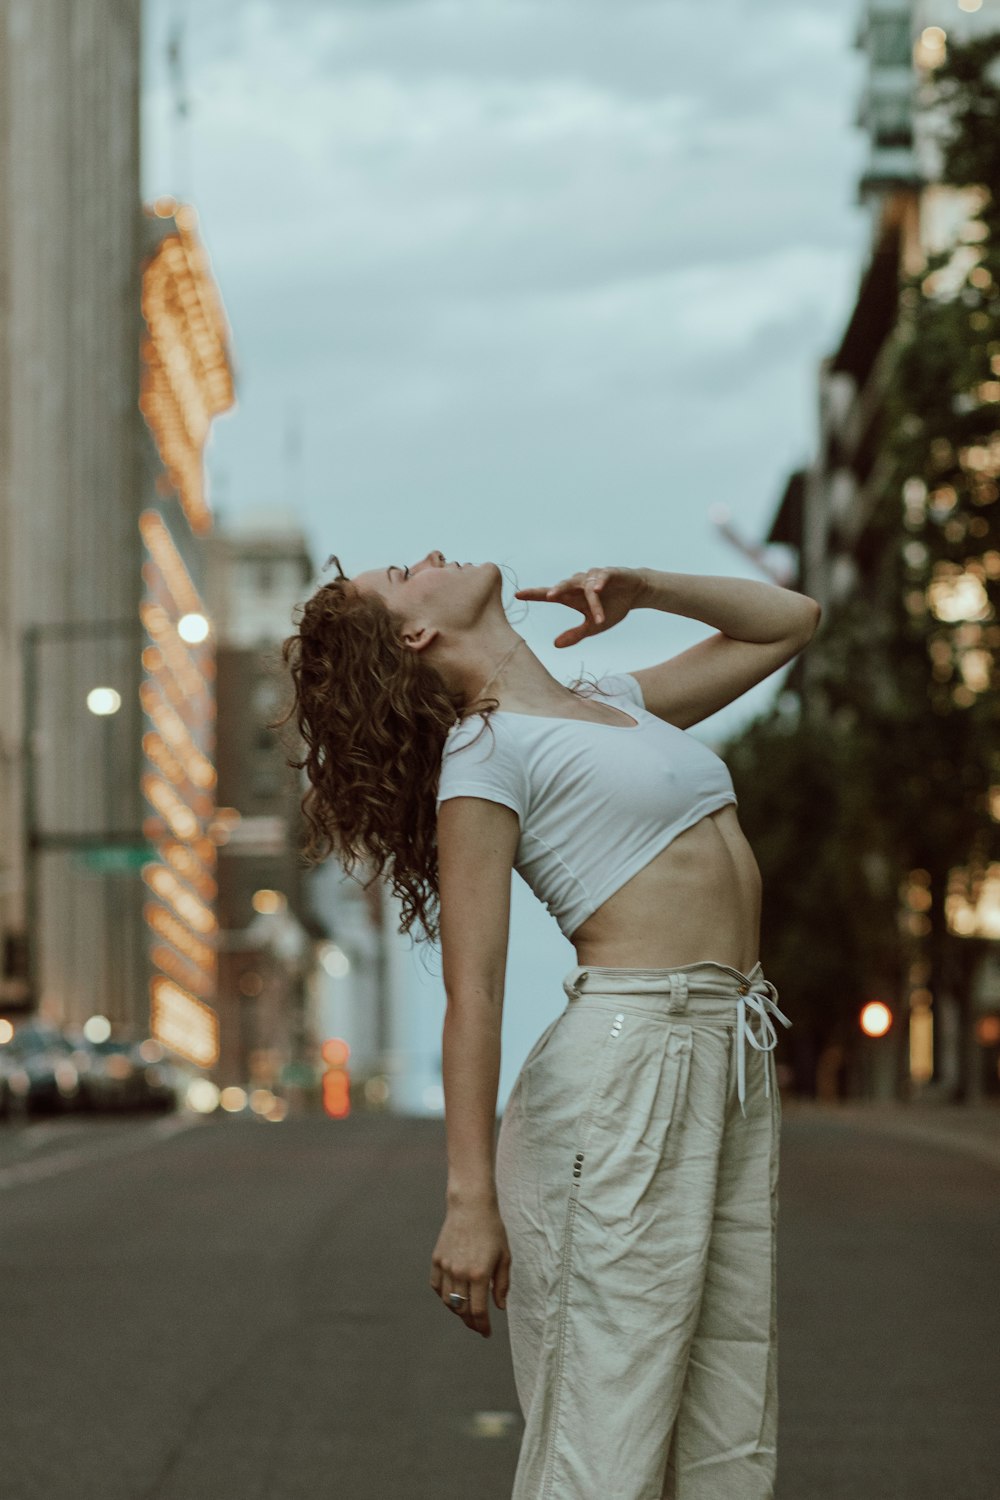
<point x="471" y="1252"/>
<point x="603" y="596"/>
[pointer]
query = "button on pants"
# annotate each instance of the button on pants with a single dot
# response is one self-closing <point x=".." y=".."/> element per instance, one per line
<point x="637" y="1176"/>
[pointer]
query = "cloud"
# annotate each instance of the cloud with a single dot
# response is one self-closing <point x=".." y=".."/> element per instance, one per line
<point x="492" y="251"/>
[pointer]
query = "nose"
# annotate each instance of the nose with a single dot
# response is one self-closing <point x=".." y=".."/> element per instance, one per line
<point x="433" y="559"/>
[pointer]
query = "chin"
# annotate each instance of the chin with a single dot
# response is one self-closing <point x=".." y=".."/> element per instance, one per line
<point x="488" y="580"/>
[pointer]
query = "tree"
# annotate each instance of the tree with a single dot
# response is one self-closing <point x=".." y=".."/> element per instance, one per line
<point x="880" y="804"/>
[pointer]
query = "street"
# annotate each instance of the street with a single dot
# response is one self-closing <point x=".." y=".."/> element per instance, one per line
<point x="222" y="1310"/>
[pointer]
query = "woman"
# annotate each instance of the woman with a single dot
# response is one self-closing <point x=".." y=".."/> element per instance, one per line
<point x="625" y="1217"/>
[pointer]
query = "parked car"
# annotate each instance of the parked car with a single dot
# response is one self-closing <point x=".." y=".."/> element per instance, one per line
<point x="162" y="1080"/>
<point x="121" y="1073"/>
<point x="42" y="1068"/>
<point x="13" y="1086"/>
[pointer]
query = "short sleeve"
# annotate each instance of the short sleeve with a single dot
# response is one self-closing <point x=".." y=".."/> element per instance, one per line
<point x="482" y="761"/>
<point x="621" y="685"/>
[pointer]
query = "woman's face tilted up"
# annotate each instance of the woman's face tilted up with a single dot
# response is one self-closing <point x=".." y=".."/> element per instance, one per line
<point x="433" y="597"/>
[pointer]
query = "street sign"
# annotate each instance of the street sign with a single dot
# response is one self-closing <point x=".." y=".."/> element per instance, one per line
<point x="111" y="859"/>
<point x="298" y="1075"/>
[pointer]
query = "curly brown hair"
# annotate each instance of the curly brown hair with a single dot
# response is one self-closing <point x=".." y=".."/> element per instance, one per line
<point x="372" y="717"/>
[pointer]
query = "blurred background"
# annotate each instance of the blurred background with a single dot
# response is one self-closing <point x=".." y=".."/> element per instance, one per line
<point x="711" y="287"/>
<point x="286" y="279"/>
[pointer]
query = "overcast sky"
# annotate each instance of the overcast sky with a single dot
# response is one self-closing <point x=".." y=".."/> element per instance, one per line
<point x="538" y="281"/>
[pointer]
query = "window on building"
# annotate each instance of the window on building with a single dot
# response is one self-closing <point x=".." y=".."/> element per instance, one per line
<point x="267" y="785"/>
<point x="892" y="120"/>
<point x="266" y="697"/>
<point x="891" y="40"/>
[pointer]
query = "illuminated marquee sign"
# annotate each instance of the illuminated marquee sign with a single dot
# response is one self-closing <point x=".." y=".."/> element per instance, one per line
<point x="186" y="374"/>
<point x="186" y="382"/>
<point x="183" y="1023"/>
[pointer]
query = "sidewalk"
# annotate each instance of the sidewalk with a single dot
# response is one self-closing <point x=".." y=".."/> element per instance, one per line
<point x="970" y="1129"/>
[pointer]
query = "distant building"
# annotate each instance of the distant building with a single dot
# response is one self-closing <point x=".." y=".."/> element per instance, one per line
<point x="307" y="954"/>
<point x="826" y="509"/>
<point x="270" y="939"/>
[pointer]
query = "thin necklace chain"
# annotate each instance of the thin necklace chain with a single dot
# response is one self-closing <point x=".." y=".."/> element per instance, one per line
<point x="497" y="670"/>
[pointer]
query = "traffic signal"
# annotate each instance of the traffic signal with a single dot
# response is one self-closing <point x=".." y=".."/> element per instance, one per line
<point x="336" y="1078"/>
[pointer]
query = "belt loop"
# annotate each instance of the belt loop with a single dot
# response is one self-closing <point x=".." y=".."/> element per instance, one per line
<point x="679" y="992"/>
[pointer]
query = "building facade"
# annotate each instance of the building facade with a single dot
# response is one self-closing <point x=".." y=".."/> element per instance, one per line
<point x="307" y="955"/>
<point x="258" y="570"/>
<point x="71" y="938"/>
<point x="829" y="512"/>
<point x="825" y="510"/>
<point x="113" y="363"/>
<point x="186" y="382"/>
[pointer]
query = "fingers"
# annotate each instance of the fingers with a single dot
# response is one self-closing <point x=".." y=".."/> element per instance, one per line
<point x="501" y="1282"/>
<point x="588" y="584"/>
<point x="479" y="1311"/>
<point x="474" y="1312"/>
<point x="571" y="637"/>
<point x="593" y="583"/>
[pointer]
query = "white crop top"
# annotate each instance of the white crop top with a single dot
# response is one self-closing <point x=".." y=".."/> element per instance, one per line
<point x="596" y="802"/>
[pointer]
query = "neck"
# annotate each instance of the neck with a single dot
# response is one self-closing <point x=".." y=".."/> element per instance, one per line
<point x="491" y="666"/>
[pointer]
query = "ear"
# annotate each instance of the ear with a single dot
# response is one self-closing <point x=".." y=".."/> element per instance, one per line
<point x="419" y="637"/>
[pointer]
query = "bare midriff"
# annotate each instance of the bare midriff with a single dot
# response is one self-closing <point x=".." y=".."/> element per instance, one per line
<point x="698" y="899"/>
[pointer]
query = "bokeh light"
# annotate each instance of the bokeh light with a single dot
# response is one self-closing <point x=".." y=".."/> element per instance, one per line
<point x="202" y="1096"/>
<point x="268" y="902"/>
<point x="192" y="628"/>
<point x="876" y="1018"/>
<point x="335" y="961"/>
<point x="97" y="1028"/>
<point x="104" y="701"/>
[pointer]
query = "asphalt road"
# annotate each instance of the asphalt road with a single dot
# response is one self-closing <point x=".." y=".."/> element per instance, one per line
<point x="233" y="1310"/>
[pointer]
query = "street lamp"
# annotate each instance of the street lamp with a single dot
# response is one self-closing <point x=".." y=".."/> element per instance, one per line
<point x="104" y="701"/>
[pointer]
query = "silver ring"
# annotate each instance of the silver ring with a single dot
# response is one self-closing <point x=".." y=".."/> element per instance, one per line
<point x="455" y="1300"/>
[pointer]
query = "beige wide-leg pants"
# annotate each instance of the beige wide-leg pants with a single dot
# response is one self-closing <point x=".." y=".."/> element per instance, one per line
<point x="637" y="1175"/>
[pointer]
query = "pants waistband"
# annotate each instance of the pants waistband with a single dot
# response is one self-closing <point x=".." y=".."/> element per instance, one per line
<point x="705" y="988"/>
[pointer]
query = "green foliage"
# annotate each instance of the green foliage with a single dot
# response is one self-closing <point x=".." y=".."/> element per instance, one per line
<point x="828" y="923"/>
<point x="943" y="451"/>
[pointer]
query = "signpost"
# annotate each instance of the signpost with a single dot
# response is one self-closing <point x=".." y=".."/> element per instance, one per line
<point x="113" y="859"/>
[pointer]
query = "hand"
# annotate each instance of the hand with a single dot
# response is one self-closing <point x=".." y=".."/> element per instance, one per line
<point x="472" y="1251"/>
<point x="603" y="596"/>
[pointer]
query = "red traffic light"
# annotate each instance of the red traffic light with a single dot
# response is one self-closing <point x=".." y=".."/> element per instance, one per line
<point x="335" y="1052"/>
<point x="336" y="1079"/>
